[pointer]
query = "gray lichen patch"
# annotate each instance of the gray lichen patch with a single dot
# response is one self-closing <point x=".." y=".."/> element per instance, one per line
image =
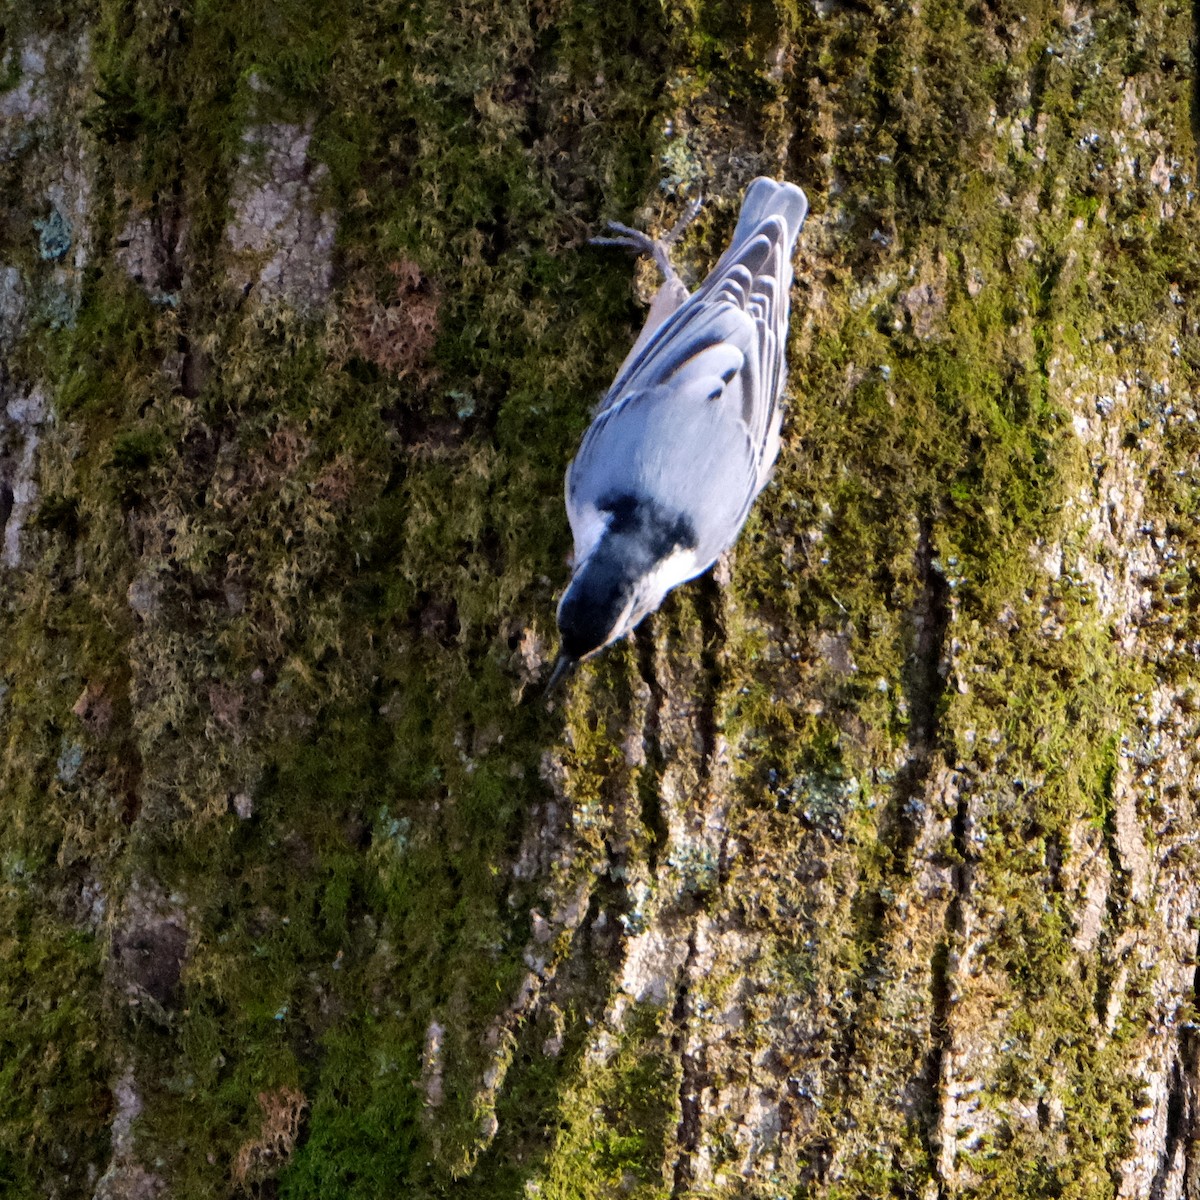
<point x="22" y="422"/>
<point x="28" y="102"/>
<point x="12" y="306"/>
<point x="149" y="249"/>
<point x="64" y="237"/>
<point x="45" y="153"/>
<point x="149" y="947"/>
<point x="126" y="1178"/>
<point x="280" y="232"/>
<point x="42" y="136"/>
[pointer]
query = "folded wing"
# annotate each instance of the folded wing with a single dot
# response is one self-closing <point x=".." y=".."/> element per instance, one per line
<point x="692" y="421"/>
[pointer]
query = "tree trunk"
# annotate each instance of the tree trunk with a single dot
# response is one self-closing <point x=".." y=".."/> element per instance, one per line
<point x="866" y="868"/>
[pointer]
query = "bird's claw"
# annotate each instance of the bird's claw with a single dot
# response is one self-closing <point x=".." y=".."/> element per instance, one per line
<point x="643" y="243"/>
<point x="630" y="239"/>
<point x="688" y="215"/>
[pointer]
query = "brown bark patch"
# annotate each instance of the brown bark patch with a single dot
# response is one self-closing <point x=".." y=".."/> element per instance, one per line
<point x="282" y="1115"/>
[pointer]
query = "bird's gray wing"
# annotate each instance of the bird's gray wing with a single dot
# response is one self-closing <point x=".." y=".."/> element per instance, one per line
<point x="680" y="440"/>
<point x="692" y="420"/>
<point x="754" y="282"/>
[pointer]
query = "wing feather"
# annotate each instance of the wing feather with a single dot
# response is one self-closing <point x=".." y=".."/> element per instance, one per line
<point x="692" y="419"/>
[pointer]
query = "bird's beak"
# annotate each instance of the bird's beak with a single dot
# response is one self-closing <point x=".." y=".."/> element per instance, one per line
<point x="562" y="668"/>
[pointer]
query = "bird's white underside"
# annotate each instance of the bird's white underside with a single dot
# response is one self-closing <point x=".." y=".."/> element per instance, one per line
<point x="678" y="567"/>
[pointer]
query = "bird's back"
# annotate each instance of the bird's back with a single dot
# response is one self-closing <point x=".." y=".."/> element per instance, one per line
<point x="692" y="421"/>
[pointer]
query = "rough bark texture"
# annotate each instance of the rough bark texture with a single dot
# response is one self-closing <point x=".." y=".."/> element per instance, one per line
<point x="867" y="868"/>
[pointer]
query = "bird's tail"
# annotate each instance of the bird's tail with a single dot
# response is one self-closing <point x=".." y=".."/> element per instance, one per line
<point x="768" y="198"/>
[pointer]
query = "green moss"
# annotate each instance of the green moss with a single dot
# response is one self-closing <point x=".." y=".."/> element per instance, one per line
<point x="281" y="473"/>
<point x="318" y="744"/>
<point x="617" y="1121"/>
<point x="53" y="1115"/>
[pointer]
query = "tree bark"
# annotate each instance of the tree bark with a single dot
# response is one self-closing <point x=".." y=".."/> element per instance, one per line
<point x="866" y="868"/>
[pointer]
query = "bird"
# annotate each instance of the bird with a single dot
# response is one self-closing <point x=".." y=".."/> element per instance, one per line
<point x="687" y="435"/>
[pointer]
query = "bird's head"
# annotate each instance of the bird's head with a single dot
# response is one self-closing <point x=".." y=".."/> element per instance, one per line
<point x="599" y="606"/>
<point x="610" y="593"/>
<point x="641" y="555"/>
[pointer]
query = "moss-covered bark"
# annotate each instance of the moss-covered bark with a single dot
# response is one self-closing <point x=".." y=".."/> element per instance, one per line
<point x="865" y="869"/>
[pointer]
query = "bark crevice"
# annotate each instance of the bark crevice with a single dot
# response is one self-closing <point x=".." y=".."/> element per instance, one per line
<point x="692" y="1070"/>
<point x="649" y="784"/>
<point x="1178" y="1172"/>
<point x="942" y="972"/>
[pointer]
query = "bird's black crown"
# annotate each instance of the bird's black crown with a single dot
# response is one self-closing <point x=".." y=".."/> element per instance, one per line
<point x="591" y="607"/>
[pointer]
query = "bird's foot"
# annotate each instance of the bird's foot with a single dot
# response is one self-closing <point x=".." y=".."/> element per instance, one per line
<point x="686" y="217"/>
<point x="657" y="248"/>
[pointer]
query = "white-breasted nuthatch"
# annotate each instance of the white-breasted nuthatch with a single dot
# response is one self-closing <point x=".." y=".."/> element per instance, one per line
<point x="687" y="435"/>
